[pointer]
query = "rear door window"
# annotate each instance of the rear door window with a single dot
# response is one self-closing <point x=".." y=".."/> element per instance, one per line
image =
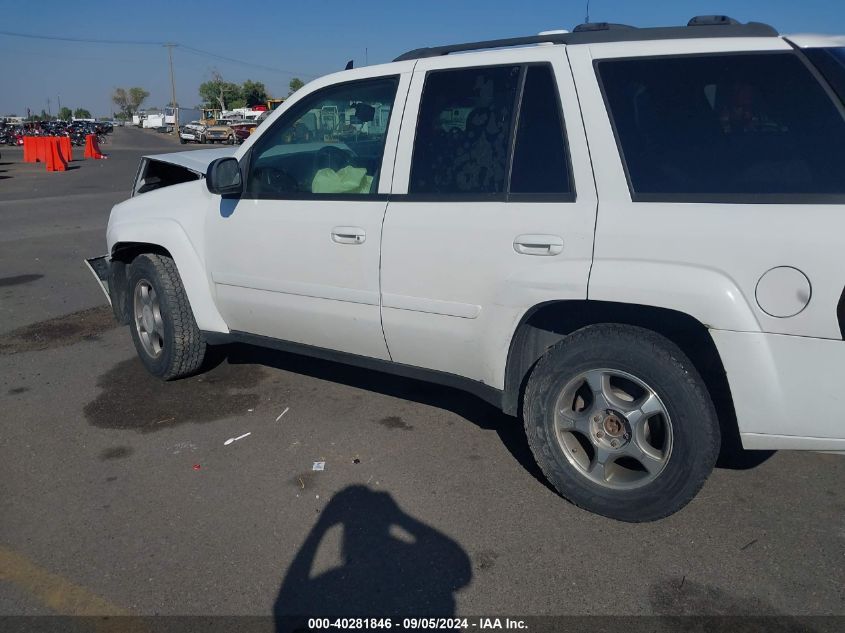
<point x="463" y="131"/>
<point x="753" y="127"/>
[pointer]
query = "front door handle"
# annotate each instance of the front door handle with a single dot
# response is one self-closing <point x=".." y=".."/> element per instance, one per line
<point x="538" y="244"/>
<point x="348" y="235"/>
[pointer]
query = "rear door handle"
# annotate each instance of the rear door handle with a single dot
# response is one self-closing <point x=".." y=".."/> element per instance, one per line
<point x="538" y="244"/>
<point x="348" y="235"/>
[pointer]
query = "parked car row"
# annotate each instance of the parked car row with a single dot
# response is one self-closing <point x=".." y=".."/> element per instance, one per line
<point x="230" y="132"/>
<point x="12" y="134"/>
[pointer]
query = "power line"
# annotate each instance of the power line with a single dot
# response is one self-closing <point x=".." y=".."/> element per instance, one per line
<point x="199" y="51"/>
<point x="33" y="36"/>
<point x="190" y="49"/>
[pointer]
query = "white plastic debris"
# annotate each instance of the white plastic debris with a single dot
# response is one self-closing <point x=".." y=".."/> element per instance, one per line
<point x="319" y="466"/>
<point x="235" y="439"/>
<point x="282" y="413"/>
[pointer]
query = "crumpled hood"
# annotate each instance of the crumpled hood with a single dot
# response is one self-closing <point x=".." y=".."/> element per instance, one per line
<point x="196" y="160"/>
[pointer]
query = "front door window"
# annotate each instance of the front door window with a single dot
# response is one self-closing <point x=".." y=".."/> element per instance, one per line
<point x="332" y="142"/>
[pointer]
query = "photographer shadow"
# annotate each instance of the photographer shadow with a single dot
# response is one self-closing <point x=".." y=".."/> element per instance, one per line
<point x="392" y="565"/>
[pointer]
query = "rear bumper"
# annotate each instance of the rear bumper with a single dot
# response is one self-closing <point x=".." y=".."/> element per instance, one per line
<point x="787" y="390"/>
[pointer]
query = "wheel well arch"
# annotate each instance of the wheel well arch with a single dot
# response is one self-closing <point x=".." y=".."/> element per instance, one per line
<point x="548" y="323"/>
<point x="127" y="251"/>
<point x="122" y="254"/>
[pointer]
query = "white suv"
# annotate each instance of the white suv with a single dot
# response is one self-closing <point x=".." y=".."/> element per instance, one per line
<point x="630" y="237"/>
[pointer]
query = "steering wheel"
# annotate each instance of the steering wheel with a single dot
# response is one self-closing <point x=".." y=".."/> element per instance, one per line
<point x="273" y="180"/>
<point x="332" y="157"/>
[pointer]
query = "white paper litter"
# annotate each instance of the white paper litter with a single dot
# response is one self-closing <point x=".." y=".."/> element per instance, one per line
<point x="235" y="439"/>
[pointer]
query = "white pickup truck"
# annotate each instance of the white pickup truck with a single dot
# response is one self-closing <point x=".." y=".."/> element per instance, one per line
<point x="629" y="238"/>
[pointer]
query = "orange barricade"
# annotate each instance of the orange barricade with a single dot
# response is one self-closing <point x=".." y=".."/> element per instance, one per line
<point x="67" y="148"/>
<point x="92" y="148"/>
<point x="59" y="160"/>
<point x="29" y="155"/>
<point x="50" y="158"/>
<point x="41" y="149"/>
<point x="55" y="160"/>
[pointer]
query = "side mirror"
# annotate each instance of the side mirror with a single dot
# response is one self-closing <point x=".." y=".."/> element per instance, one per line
<point x="224" y="177"/>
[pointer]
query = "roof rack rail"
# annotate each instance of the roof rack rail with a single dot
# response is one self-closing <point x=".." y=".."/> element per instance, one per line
<point x="709" y="20"/>
<point x="436" y="51"/>
<point x="600" y="26"/>
<point x="598" y="32"/>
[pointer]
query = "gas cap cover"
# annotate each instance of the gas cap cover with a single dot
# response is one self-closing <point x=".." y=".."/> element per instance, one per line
<point x="783" y="292"/>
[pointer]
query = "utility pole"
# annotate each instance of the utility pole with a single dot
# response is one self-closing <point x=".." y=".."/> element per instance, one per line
<point x="587" y="19"/>
<point x="49" y="112"/>
<point x="59" y="97"/>
<point x="173" y="89"/>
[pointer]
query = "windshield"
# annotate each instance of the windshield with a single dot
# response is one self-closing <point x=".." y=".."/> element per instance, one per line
<point x="831" y="64"/>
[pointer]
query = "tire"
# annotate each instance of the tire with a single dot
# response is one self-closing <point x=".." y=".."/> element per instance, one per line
<point x="635" y="458"/>
<point x="182" y="141"/>
<point x="202" y="140"/>
<point x="230" y="140"/>
<point x="166" y="336"/>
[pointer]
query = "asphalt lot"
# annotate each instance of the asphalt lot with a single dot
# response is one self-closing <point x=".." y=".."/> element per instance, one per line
<point x="118" y="494"/>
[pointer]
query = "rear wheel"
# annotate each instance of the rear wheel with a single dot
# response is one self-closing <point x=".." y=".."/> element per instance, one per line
<point x="621" y="423"/>
<point x="164" y="331"/>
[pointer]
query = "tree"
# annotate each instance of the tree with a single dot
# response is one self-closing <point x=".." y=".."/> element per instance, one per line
<point x="65" y="114"/>
<point x="137" y="97"/>
<point x="253" y="93"/>
<point x="81" y="113"/>
<point x="295" y="84"/>
<point x="218" y="93"/>
<point x="129" y="100"/>
<point x="121" y="100"/>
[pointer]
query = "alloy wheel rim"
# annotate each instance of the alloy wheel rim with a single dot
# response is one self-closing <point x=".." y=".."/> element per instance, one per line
<point x="148" y="322"/>
<point x="613" y="428"/>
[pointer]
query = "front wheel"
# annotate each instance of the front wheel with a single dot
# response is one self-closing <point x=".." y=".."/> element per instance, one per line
<point x="230" y="140"/>
<point x="164" y="331"/>
<point x="621" y="423"/>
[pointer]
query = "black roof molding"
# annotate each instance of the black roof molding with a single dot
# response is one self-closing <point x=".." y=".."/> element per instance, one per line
<point x="600" y="26"/>
<point x="703" y="20"/>
<point x="600" y="32"/>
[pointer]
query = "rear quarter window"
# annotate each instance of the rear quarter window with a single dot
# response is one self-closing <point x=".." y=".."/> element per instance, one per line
<point x="755" y="127"/>
<point x="831" y="64"/>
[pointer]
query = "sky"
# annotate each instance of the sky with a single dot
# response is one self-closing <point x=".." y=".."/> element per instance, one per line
<point x="275" y="40"/>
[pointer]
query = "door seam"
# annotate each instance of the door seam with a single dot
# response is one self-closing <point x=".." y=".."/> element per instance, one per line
<point x="384" y="213"/>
